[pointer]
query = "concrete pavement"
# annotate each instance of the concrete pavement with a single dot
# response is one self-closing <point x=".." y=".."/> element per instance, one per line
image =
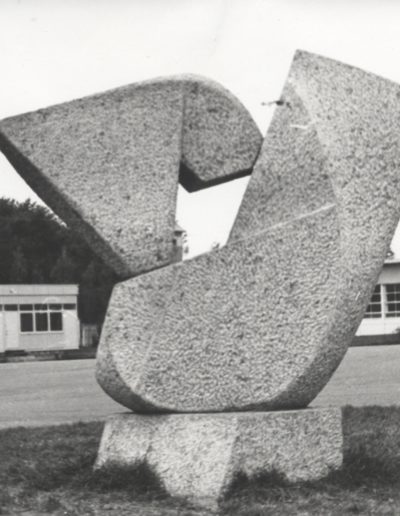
<point x="46" y="393"/>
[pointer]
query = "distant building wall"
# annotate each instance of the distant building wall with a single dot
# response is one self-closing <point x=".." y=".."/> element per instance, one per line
<point x="177" y="255"/>
<point x="90" y="335"/>
<point x="2" y="333"/>
<point x="11" y="323"/>
<point x="38" y="317"/>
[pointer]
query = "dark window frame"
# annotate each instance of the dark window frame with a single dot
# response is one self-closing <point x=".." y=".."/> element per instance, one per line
<point x="374" y="308"/>
<point x="43" y="320"/>
<point x="392" y="301"/>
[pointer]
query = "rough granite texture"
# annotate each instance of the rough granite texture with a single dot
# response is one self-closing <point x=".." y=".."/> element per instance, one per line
<point x="229" y="330"/>
<point x="264" y="322"/>
<point x="220" y="140"/>
<point x="197" y="456"/>
<point x="109" y="164"/>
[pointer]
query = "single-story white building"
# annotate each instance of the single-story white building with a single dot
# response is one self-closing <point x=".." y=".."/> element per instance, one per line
<point x="383" y="312"/>
<point x="38" y="317"/>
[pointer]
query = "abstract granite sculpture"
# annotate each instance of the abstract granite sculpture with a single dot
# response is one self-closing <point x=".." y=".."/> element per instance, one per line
<point x="218" y="341"/>
<point x="263" y="323"/>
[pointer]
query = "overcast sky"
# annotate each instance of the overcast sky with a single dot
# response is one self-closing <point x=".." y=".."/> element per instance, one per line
<point x="57" y="50"/>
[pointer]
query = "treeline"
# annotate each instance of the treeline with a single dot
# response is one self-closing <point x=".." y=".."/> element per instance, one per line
<point x="36" y="247"/>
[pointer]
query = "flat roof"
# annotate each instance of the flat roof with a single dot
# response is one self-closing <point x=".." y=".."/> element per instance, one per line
<point x="41" y="290"/>
<point x="392" y="261"/>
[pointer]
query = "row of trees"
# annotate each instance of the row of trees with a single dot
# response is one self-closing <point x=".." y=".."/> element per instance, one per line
<point x="36" y="247"/>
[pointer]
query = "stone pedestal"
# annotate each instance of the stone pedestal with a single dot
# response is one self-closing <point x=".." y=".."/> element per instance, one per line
<point x="196" y="456"/>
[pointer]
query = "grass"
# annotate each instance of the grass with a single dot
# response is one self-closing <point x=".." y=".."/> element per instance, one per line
<point x="49" y="471"/>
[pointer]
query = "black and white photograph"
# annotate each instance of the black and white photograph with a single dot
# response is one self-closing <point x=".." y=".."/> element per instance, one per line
<point x="199" y="257"/>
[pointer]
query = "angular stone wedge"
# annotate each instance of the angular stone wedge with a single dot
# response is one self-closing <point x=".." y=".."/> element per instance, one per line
<point x="336" y="124"/>
<point x="264" y="322"/>
<point x="198" y="456"/>
<point x="236" y="329"/>
<point x="340" y="125"/>
<point x="290" y="177"/>
<point x="109" y="164"/>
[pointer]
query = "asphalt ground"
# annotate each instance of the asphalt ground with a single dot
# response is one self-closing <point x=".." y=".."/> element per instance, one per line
<point x="54" y="392"/>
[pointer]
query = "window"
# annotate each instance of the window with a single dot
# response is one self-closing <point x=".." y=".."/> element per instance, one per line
<point x="385" y="301"/>
<point x="11" y="308"/>
<point x="55" y="321"/>
<point x="26" y="322"/>
<point x="393" y="300"/>
<point x="374" y="308"/>
<point x="41" y="321"/>
<point x="40" y="318"/>
<point x="69" y="306"/>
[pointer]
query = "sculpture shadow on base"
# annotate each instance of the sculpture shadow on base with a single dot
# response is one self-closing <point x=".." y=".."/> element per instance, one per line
<point x="199" y="456"/>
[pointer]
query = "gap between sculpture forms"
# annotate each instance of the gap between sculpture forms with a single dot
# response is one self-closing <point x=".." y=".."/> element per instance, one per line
<point x="198" y="456"/>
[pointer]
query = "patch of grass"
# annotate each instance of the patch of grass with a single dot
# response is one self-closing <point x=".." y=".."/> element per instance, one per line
<point x="371" y="446"/>
<point x="49" y="457"/>
<point x="367" y="483"/>
<point x="46" y="459"/>
<point x="50" y="471"/>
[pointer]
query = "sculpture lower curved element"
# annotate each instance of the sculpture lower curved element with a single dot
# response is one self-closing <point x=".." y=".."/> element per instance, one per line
<point x="229" y="330"/>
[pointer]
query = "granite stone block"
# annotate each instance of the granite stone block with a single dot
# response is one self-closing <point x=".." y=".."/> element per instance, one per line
<point x="197" y="456"/>
<point x="109" y="164"/>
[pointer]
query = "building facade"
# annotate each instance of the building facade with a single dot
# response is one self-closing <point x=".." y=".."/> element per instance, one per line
<point x="38" y="317"/>
<point x="383" y="312"/>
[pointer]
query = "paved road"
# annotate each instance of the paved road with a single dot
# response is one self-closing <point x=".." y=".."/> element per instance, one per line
<point x="38" y="393"/>
<point x="44" y="393"/>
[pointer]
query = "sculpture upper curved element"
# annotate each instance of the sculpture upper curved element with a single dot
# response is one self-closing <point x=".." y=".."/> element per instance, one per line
<point x="264" y="322"/>
<point x="109" y="164"/>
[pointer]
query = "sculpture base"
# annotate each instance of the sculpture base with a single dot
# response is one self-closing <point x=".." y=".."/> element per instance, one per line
<point x="197" y="456"/>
